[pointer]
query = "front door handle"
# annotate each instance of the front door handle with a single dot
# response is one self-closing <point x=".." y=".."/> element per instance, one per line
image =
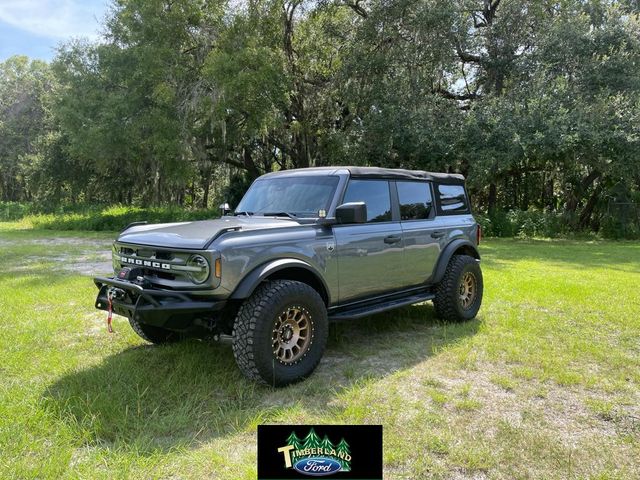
<point x="437" y="234"/>
<point x="391" y="239"/>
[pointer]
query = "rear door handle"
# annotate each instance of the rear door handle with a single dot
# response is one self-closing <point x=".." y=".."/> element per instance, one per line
<point x="391" y="239"/>
<point x="437" y="234"/>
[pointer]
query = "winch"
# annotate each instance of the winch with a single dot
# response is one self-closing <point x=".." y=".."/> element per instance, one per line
<point x="134" y="275"/>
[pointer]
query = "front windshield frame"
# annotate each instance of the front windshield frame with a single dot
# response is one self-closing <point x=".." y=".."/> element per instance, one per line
<point x="249" y="205"/>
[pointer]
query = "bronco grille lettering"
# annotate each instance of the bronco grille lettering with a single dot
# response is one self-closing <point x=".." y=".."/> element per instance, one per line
<point x="145" y="263"/>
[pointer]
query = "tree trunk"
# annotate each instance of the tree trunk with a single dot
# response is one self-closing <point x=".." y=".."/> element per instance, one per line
<point x="156" y="186"/>
<point x="587" y="211"/>
<point x="493" y="198"/>
<point x="249" y="164"/>
<point x="206" y="186"/>
<point x="574" y="196"/>
<point x="550" y="202"/>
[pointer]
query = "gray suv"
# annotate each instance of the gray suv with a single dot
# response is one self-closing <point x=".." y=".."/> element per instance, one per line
<point x="304" y="247"/>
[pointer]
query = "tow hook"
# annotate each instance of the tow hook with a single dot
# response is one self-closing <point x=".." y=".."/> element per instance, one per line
<point x="112" y="293"/>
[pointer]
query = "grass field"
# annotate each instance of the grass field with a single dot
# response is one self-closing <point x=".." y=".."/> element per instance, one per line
<point x="544" y="384"/>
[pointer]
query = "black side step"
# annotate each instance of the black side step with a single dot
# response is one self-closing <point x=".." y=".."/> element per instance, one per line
<point x="359" y="311"/>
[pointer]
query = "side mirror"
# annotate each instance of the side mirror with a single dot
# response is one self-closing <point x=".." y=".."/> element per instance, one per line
<point x="224" y="209"/>
<point x="353" y="212"/>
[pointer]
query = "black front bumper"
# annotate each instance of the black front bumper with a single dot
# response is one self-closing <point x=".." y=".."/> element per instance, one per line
<point x="161" y="308"/>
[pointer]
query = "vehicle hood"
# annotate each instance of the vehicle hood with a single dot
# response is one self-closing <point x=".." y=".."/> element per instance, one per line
<point x="196" y="235"/>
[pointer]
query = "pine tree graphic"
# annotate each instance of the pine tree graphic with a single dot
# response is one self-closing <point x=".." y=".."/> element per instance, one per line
<point x="327" y="445"/>
<point x="295" y="441"/>
<point x="343" y="448"/>
<point x="312" y="440"/>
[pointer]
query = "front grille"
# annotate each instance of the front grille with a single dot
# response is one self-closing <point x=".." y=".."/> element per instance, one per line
<point x="161" y="267"/>
<point x="166" y="276"/>
<point x="146" y="253"/>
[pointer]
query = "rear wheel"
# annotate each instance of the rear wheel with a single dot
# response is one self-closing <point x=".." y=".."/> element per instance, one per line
<point x="280" y="333"/>
<point x="154" y="334"/>
<point x="459" y="294"/>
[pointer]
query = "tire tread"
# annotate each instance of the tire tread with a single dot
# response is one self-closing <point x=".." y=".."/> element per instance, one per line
<point x="445" y="301"/>
<point x="251" y="312"/>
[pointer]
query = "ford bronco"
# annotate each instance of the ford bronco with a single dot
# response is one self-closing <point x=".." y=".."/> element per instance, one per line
<point x="303" y="247"/>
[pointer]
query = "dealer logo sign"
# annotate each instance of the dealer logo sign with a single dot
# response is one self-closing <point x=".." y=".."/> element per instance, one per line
<point x="315" y="456"/>
<point x="343" y="451"/>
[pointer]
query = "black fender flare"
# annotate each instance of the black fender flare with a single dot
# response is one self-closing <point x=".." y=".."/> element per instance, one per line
<point x="249" y="283"/>
<point x="448" y="252"/>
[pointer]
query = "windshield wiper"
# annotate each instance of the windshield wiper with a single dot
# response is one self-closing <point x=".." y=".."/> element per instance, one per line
<point x="280" y="214"/>
<point x="248" y="214"/>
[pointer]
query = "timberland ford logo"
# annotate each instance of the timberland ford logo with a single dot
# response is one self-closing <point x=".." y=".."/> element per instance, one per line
<point x="315" y="456"/>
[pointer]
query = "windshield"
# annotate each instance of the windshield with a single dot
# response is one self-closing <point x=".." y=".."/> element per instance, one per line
<point x="299" y="196"/>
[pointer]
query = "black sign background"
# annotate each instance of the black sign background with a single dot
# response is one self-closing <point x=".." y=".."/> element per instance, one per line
<point x="365" y="443"/>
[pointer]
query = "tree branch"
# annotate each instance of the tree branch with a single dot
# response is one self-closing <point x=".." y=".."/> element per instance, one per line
<point x="455" y="96"/>
<point x="356" y="7"/>
<point x="466" y="56"/>
<point x="281" y="146"/>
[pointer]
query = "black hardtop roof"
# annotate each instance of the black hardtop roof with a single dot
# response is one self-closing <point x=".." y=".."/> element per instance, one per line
<point x="376" y="172"/>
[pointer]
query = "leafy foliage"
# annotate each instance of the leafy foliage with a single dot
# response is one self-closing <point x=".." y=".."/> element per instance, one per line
<point x="184" y="103"/>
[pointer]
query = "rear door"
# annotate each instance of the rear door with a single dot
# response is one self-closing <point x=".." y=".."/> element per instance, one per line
<point x="420" y="237"/>
<point x="370" y="255"/>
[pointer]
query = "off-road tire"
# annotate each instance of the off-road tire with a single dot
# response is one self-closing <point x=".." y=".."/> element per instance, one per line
<point x="154" y="334"/>
<point x="254" y="325"/>
<point x="447" y="302"/>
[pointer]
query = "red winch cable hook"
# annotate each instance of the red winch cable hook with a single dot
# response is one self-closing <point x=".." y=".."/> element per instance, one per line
<point x="109" y="311"/>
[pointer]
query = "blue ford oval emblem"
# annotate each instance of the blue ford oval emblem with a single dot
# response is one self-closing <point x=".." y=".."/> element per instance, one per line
<point x="317" y="466"/>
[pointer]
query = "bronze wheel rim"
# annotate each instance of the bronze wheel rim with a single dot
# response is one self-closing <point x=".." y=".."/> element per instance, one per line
<point x="468" y="290"/>
<point x="291" y="335"/>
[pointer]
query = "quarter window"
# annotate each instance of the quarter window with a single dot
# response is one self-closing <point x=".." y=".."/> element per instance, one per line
<point x="415" y="200"/>
<point x="375" y="194"/>
<point x="453" y="199"/>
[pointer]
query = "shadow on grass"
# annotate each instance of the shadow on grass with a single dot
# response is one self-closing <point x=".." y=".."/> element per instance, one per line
<point x="155" y="398"/>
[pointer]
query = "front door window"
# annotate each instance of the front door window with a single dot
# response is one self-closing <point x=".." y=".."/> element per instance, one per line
<point x="375" y="194"/>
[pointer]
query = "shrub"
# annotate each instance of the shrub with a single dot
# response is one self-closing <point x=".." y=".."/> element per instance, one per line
<point x="11" y="211"/>
<point x="616" y="228"/>
<point x="114" y="218"/>
<point x="522" y="223"/>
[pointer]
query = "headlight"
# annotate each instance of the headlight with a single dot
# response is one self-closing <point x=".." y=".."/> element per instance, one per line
<point x="198" y="268"/>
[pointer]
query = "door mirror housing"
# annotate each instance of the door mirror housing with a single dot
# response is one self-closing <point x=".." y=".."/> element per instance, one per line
<point x="352" y="212"/>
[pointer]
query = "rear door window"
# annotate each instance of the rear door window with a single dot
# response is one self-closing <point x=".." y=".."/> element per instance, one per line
<point x="415" y="200"/>
<point x="452" y="199"/>
<point x="375" y="194"/>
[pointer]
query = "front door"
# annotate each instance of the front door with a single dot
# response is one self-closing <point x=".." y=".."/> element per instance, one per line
<point x="370" y="255"/>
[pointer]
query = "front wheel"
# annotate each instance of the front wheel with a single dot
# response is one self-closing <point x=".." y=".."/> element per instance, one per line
<point x="280" y="333"/>
<point x="459" y="294"/>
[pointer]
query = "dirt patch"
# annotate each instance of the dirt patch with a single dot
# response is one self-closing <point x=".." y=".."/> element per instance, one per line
<point x="90" y="266"/>
<point x="85" y="263"/>
<point x="86" y="256"/>
<point x="84" y="242"/>
<point x="539" y="417"/>
<point x="561" y="409"/>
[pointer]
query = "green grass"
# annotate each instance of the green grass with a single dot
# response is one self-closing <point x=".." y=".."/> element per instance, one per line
<point x="544" y="384"/>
